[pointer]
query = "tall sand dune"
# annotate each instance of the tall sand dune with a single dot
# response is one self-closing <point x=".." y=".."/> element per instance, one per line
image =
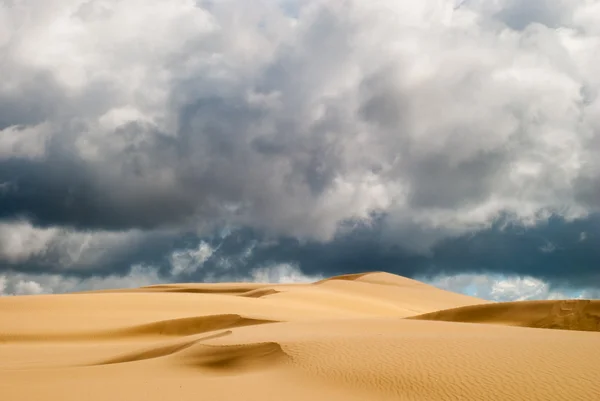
<point x="372" y="336"/>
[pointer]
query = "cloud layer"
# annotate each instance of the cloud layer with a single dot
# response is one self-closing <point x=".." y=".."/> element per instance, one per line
<point x="129" y="129"/>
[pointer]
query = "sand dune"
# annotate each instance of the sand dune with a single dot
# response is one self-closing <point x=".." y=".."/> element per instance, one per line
<point x="372" y="336"/>
<point x="174" y="327"/>
<point x="580" y="314"/>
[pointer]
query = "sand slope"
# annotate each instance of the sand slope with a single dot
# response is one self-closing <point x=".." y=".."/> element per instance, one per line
<point x="576" y="314"/>
<point x="373" y="336"/>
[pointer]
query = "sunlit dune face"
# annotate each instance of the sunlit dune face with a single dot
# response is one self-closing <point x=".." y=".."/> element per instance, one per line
<point x="362" y="336"/>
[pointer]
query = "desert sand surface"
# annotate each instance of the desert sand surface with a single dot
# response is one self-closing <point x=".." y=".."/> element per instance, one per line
<point x="372" y="336"/>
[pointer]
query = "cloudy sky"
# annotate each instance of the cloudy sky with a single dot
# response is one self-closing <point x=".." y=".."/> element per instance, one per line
<point x="147" y="141"/>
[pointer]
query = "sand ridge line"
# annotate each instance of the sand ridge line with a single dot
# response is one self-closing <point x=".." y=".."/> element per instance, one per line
<point x="259" y="293"/>
<point x="178" y="288"/>
<point x="235" y="358"/>
<point x="211" y="358"/>
<point x="157" y="351"/>
<point x="348" y="277"/>
<point x="167" y="328"/>
<point x="253" y="293"/>
<point x="379" y="278"/>
<point x="576" y="314"/>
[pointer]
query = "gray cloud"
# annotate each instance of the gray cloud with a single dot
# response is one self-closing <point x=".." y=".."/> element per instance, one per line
<point x="294" y="119"/>
<point x="561" y="255"/>
<point x="507" y="288"/>
<point x="520" y="14"/>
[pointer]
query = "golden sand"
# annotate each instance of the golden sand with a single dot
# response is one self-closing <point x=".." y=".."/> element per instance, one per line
<point x="373" y="336"/>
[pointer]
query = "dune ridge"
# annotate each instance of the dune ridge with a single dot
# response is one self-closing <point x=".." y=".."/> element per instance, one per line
<point x="369" y="336"/>
<point x="580" y="314"/>
<point x="158" y="351"/>
<point x="165" y="328"/>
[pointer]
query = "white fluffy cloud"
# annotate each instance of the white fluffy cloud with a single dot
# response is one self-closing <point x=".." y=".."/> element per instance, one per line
<point x="33" y="284"/>
<point x="187" y="261"/>
<point x="118" y="118"/>
<point x="282" y="273"/>
<point x="22" y="243"/>
<point x="293" y="121"/>
<point x="138" y="276"/>
<point x="507" y="288"/>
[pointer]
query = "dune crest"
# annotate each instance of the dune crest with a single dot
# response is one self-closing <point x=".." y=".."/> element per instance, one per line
<point x="369" y="336"/>
<point x="165" y="328"/>
<point x="583" y="315"/>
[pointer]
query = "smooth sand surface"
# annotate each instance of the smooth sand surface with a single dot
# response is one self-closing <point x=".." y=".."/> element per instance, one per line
<point x="373" y="336"/>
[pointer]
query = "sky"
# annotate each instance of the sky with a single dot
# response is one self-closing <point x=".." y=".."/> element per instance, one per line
<point x="153" y="141"/>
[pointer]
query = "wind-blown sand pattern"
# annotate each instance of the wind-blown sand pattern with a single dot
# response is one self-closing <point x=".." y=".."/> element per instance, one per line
<point x="373" y="336"/>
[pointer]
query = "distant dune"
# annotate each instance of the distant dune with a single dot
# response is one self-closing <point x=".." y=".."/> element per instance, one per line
<point x="577" y="314"/>
<point x="371" y="336"/>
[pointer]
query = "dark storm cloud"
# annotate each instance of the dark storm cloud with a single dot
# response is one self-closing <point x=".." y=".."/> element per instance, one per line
<point x="442" y="185"/>
<point x="46" y="193"/>
<point x="101" y="259"/>
<point x="30" y="105"/>
<point x="289" y="120"/>
<point x="70" y="194"/>
<point x="558" y="251"/>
